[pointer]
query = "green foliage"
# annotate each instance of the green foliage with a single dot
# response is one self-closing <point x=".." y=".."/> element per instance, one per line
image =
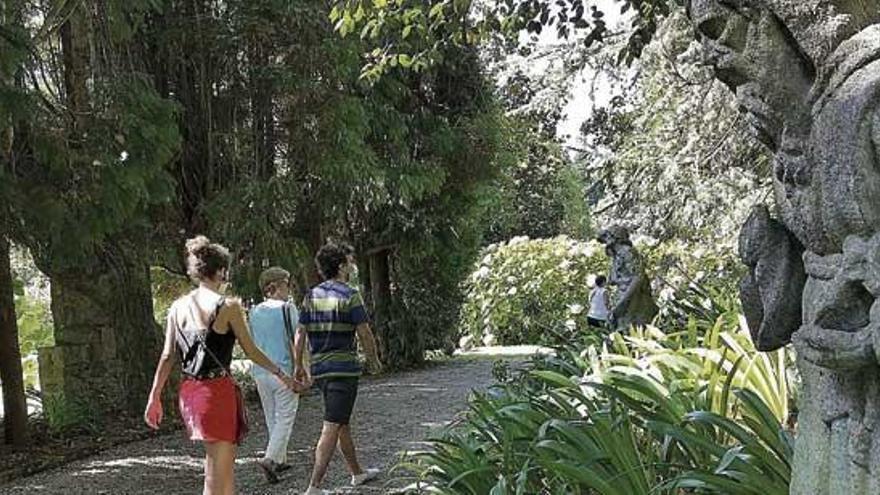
<point x="576" y="219"/>
<point x="430" y="270"/>
<point x="699" y="282"/>
<point x="74" y="196"/>
<point x="441" y="238"/>
<point x="696" y="409"/>
<point x="672" y="157"/>
<point x="404" y="163"/>
<point x="412" y="34"/>
<point x="34" y="324"/>
<point x="66" y="414"/>
<point x="531" y="291"/>
<point x="32" y="312"/>
<point x="535" y="291"/>
<point x="201" y="116"/>
<point x="542" y="195"/>
<point x="436" y="199"/>
<point x="166" y="288"/>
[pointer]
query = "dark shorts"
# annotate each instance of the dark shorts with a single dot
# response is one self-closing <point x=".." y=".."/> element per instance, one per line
<point x="593" y="322"/>
<point x="339" y="397"/>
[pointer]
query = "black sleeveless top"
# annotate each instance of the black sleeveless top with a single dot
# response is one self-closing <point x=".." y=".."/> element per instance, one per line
<point x="196" y="361"/>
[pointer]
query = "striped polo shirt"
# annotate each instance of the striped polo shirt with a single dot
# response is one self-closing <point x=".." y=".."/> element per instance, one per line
<point x="330" y="313"/>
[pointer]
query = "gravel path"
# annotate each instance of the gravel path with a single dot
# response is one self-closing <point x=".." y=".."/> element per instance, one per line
<point x="393" y="414"/>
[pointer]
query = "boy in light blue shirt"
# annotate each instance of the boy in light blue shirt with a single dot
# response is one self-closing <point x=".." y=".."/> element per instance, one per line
<point x="273" y="334"/>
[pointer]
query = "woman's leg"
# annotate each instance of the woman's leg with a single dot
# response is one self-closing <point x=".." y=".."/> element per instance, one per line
<point x="219" y="468"/>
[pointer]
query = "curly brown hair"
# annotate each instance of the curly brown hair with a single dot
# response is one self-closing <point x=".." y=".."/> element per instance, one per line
<point x="331" y="257"/>
<point x="204" y="258"/>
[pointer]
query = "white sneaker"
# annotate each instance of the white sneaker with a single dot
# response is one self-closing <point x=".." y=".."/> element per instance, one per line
<point x="316" y="491"/>
<point x="365" y="477"/>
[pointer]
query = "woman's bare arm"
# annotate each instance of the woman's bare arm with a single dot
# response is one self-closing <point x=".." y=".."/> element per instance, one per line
<point x="153" y="414"/>
<point x="166" y="360"/>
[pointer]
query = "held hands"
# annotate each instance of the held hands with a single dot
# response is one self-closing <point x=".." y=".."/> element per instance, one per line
<point x="288" y="381"/>
<point x="303" y="376"/>
<point x="299" y="382"/>
<point x="153" y="415"/>
<point x="297" y="386"/>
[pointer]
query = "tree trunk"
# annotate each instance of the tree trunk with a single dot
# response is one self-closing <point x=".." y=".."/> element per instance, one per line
<point x="14" y="400"/>
<point x="76" y="58"/>
<point x="262" y="107"/>
<point x="380" y="286"/>
<point x="380" y="296"/>
<point x="11" y="379"/>
<point x="308" y="227"/>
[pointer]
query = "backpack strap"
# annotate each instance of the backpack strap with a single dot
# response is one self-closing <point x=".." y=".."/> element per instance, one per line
<point x="288" y="328"/>
<point x="216" y="313"/>
<point x="288" y="323"/>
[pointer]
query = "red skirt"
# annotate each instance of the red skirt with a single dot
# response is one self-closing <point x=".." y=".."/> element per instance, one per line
<point x="209" y="409"/>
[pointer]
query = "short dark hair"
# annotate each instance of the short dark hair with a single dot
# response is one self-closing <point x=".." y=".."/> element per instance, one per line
<point x="331" y="257"/>
<point x="600" y="280"/>
<point x="204" y="258"/>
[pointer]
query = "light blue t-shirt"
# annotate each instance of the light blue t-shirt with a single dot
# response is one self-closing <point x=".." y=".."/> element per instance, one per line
<point x="267" y="326"/>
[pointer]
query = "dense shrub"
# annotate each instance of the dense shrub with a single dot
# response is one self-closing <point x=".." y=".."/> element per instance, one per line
<point x="526" y="291"/>
<point x="692" y="411"/>
<point x="166" y="287"/>
<point x="542" y="195"/>
<point x="532" y="291"/>
<point x="693" y="281"/>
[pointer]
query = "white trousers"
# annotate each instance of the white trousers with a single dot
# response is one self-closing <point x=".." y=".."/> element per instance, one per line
<point x="279" y="406"/>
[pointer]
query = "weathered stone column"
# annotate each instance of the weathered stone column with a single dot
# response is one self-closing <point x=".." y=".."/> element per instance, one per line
<point x="807" y="74"/>
<point x="106" y="339"/>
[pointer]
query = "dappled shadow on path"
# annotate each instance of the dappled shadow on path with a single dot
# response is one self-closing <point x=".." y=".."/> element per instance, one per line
<point x="394" y="414"/>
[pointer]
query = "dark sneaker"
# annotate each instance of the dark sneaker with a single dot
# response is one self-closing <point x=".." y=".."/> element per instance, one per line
<point x="282" y="466"/>
<point x="269" y="468"/>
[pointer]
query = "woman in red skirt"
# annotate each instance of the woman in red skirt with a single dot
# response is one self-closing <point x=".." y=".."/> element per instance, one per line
<point x="202" y="328"/>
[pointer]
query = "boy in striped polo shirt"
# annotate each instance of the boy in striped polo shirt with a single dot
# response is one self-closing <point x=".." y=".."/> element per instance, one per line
<point x="333" y="319"/>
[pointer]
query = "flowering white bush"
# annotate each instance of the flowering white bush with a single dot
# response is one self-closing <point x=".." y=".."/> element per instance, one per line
<point x="528" y="291"/>
<point x="524" y="291"/>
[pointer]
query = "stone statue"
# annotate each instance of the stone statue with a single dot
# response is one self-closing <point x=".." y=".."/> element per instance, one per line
<point x="634" y="304"/>
<point x="807" y="75"/>
<point x="771" y="292"/>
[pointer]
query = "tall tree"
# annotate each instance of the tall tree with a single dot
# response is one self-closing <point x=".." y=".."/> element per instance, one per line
<point x="673" y="158"/>
<point x="88" y="156"/>
<point x="335" y="156"/>
<point x="11" y="378"/>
